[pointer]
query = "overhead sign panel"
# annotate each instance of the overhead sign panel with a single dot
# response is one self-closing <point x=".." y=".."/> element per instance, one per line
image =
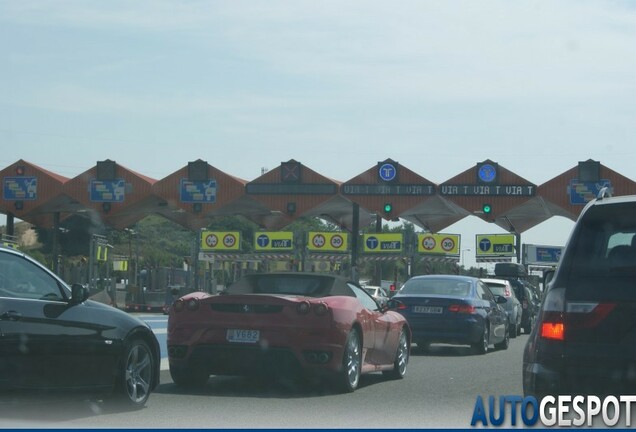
<point x="542" y="255"/>
<point x="273" y="241"/>
<point x="383" y="243"/>
<point x="327" y="241"/>
<point x="107" y="190"/>
<point x="438" y="244"/>
<point x="487" y="190"/>
<point x="582" y="192"/>
<point x="388" y="189"/>
<point x="220" y="241"/>
<point x="20" y="188"/>
<point x="197" y="191"/>
<point x="495" y="245"/>
<point x="290" y="189"/>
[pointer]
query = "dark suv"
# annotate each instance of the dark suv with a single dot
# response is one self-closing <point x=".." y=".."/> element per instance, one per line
<point x="584" y="341"/>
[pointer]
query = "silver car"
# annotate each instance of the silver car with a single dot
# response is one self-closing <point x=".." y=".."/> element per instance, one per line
<point x="513" y="307"/>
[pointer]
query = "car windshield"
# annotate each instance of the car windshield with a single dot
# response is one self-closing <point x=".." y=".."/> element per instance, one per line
<point x="437" y="286"/>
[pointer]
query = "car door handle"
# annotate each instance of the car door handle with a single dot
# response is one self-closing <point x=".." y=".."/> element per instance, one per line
<point x="10" y="316"/>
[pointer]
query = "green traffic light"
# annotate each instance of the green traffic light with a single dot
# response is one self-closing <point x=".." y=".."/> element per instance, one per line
<point x="487" y="208"/>
<point x="388" y="208"/>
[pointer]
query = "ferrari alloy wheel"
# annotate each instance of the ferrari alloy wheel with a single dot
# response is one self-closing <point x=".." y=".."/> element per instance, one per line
<point x="482" y="345"/>
<point x="349" y="377"/>
<point x="401" y="358"/>
<point x="135" y="382"/>
<point x="189" y="376"/>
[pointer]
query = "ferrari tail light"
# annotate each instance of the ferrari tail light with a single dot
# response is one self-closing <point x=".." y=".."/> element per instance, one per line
<point x="303" y="307"/>
<point x="461" y="308"/>
<point x="178" y="305"/>
<point x="321" y="309"/>
<point x="192" y="304"/>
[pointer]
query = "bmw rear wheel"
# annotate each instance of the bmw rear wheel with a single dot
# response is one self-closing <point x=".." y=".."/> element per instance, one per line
<point x="349" y="376"/>
<point x="401" y="358"/>
<point x="136" y="379"/>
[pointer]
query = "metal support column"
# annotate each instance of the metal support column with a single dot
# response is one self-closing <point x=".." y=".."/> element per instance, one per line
<point x="355" y="233"/>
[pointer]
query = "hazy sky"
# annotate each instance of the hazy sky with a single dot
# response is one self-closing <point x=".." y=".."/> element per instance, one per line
<point x="337" y="85"/>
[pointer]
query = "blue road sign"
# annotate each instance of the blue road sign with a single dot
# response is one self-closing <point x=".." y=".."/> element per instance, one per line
<point x="387" y="172"/>
<point x="108" y="190"/>
<point x="198" y="191"/>
<point x="20" y="188"/>
<point x="583" y="192"/>
<point x="262" y="240"/>
<point x="484" y="245"/>
<point x="372" y="242"/>
<point x="549" y="254"/>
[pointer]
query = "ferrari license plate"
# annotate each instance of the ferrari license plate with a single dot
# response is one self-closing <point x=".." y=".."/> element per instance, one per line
<point x="427" y="309"/>
<point x="242" y="335"/>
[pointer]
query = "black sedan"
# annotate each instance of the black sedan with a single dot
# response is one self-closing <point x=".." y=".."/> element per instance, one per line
<point x="53" y="338"/>
<point x="455" y="310"/>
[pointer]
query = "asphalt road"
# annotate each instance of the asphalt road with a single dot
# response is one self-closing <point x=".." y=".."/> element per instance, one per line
<point x="439" y="390"/>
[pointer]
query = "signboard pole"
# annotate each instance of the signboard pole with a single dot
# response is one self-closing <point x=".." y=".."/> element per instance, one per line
<point x="377" y="275"/>
<point x="197" y="245"/>
<point x="10" y="224"/>
<point x="354" y="241"/>
<point x="56" y="236"/>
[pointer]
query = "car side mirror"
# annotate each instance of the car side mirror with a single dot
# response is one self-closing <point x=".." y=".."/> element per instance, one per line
<point x="548" y="275"/>
<point x="79" y="293"/>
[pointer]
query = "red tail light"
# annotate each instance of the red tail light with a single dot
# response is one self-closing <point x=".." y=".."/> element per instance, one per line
<point x="303" y="307"/>
<point x="555" y="331"/>
<point x="507" y="292"/>
<point x="461" y="308"/>
<point x="559" y="315"/>
<point x="392" y="287"/>
<point x="588" y="314"/>
<point x="321" y="309"/>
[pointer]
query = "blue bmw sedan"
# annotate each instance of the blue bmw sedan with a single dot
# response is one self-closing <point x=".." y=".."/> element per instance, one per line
<point x="453" y="309"/>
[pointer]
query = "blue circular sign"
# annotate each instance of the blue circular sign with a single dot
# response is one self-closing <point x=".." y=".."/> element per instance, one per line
<point x="487" y="173"/>
<point x="387" y="172"/>
<point x="484" y="245"/>
<point x="372" y="242"/>
<point x="262" y="240"/>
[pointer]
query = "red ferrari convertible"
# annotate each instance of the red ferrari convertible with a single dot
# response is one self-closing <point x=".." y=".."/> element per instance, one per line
<point x="278" y="323"/>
